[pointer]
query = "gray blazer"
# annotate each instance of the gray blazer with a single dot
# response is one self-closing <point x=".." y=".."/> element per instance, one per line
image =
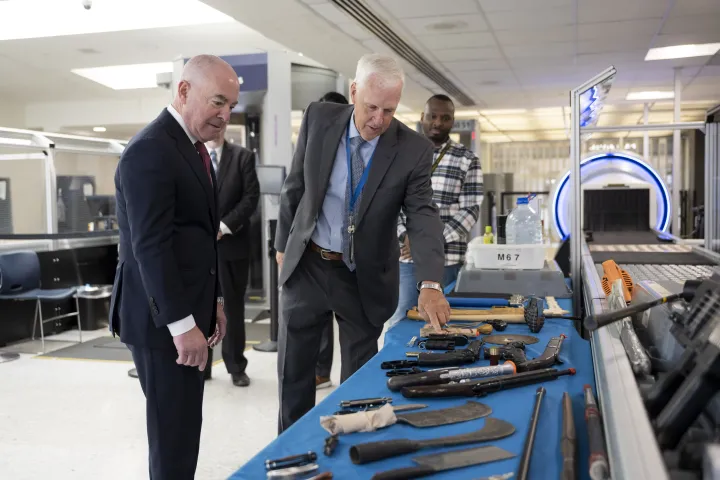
<point x="399" y="178"/>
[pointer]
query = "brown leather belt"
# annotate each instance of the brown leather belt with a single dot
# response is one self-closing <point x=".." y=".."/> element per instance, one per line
<point x="324" y="253"/>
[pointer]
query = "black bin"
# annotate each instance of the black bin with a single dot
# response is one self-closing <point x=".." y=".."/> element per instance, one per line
<point x="94" y="304"/>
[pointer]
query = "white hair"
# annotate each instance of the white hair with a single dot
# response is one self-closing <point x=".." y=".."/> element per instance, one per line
<point x="385" y="68"/>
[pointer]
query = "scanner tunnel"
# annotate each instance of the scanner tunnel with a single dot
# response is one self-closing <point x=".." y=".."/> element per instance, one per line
<point x="620" y="193"/>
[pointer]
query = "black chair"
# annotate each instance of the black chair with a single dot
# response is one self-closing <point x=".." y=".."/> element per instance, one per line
<point x="20" y="281"/>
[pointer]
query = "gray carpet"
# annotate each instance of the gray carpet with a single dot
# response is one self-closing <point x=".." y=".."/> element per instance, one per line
<point x="113" y="350"/>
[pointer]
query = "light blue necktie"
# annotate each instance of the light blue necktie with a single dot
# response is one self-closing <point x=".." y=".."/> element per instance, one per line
<point x="214" y="159"/>
<point x="358" y="167"/>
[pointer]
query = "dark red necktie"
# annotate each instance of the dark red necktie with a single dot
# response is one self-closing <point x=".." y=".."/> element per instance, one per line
<point x="205" y="158"/>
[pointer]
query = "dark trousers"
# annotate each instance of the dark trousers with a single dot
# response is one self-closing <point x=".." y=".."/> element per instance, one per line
<point x="174" y="396"/>
<point x="233" y="281"/>
<point x="315" y="290"/>
<point x="325" y="356"/>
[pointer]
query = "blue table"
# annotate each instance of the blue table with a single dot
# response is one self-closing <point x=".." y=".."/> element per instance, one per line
<point x="514" y="406"/>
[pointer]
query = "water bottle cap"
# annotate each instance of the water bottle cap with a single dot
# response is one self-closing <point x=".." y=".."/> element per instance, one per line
<point x="488" y="229"/>
<point x="522" y="201"/>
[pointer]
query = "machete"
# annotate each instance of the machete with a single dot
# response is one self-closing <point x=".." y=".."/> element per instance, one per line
<point x="494" y="429"/>
<point x="445" y="416"/>
<point x="439" y="462"/>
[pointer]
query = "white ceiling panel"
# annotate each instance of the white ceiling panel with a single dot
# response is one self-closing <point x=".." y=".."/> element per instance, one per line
<point x="524" y="36"/>
<point x="695" y="7"/>
<point x="457" y="40"/>
<point x="546" y="17"/>
<point x="628" y="29"/>
<point x="691" y="24"/>
<point x="464" y="66"/>
<point x="458" y="54"/>
<point x="521" y="5"/>
<point x="688" y="38"/>
<point x="593" y="11"/>
<point x="540" y="50"/>
<point x="331" y="13"/>
<point x="428" y="8"/>
<point x="445" y="23"/>
<point x="612" y="45"/>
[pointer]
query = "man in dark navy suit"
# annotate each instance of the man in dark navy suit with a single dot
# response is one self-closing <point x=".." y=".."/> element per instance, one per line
<point x="166" y="303"/>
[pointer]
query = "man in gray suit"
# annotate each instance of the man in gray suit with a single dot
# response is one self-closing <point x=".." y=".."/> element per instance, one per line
<point x="354" y="168"/>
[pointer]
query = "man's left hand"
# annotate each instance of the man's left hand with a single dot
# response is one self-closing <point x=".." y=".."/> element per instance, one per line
<point x="220" y="327"/>
<point x="434" y="308"/>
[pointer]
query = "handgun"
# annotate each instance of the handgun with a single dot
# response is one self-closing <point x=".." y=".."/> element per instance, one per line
<point x="515" y="352"/>
<point x="447" y="359"/>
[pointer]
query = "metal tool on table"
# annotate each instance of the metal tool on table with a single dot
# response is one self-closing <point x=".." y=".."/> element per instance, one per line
<point x="365" y="403"/>
<point x="291" y="461"/>
<point x="462" y="356"/>
<point x="469" y="331"/>
<point x="440" y="377"/>
<point x="568" y="441"/>
<point x="479" y="388"/>
<point x="599" y="468"/>
<point x="410" y="371"/>
<point x="534" y="315"/>
<point x="293" y="473"/>
<point x="445" y="416"/>
<point x="515" y="352"/>
<point x="396" y="408"/>
<point x="322" y="476"/>
<point x="505" y="339"/>
<point x="331" y="444"/>
<point x="524" y="466"/>
<point x="504" y="476"/>
<point x="494" y="429"/>
<point x="443" y="342"/>
<point x="412" y="341"/>
<point x="508" y="314"/>
<point x="440" y="462"/>
<point x="639" y="360"/>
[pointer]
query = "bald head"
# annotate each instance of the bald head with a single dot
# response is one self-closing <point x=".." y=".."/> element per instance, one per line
<point x="207" y="92"/>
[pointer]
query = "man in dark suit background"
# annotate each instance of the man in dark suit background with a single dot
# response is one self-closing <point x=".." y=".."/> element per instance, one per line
<point x="327" y="344"/>
<point x="353" y="170"/>
<point x="166" y="300"/>
<point x="238" y="194"/>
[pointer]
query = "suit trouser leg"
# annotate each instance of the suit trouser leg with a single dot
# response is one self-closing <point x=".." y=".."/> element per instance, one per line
<point x="233" y="281"/>
<point x="358" y="337"/>
<point x="325" y="358"/>
<point x="174" y="395"/>
<point x="304" y="313"/>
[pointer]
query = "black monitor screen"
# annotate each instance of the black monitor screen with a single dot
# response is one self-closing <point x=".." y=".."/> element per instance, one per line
<point x="271" y="178"/>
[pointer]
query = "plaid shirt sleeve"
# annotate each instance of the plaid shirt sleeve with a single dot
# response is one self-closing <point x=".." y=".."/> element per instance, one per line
<point x="458" y="227"/>
<point x="401" y="228"/>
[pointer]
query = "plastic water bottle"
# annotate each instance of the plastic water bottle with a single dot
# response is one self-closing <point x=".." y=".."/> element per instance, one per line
<point x="523" y="225"/>
<point x="488" y="238"/>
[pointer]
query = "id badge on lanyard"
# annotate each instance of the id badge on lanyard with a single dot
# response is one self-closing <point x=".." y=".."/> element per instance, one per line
<point x="354" y="194"/>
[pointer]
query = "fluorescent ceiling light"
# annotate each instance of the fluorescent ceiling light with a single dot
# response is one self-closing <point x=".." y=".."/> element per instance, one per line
<point x="99" y="129"/>
<point x="650" y="95"/>
<point x="682" y="51"/>
<point x="509" y="111"/>
<point x="126" y="77"/>
<point x="20" y="19"/>
<point x="467" y="113"/>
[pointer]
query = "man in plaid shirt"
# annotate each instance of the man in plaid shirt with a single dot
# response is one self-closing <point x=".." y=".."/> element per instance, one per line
<point x="458" y="192"/>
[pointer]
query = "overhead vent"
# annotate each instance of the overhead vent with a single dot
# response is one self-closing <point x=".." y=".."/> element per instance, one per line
<point x="367" y="18"/>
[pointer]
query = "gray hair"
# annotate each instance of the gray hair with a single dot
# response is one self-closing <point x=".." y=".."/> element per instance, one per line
<point x="386" y="68"/>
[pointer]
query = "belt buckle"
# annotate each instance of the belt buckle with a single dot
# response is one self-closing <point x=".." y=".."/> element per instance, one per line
<point x="323" y="254"/>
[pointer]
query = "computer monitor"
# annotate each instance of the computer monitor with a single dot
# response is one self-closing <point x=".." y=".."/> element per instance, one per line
<point x="271" y="178"/>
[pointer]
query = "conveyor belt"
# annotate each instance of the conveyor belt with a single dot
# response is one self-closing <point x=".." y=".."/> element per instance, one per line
<point x="651" y="258"/>
<point x="641" y="248"/>
<point x="657" y="273"/>
<point x="624" y="238"/>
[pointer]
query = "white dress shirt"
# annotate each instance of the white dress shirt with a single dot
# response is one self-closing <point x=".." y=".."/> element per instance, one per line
<point x="219" y="151"/>
<point x="186" y="324"/>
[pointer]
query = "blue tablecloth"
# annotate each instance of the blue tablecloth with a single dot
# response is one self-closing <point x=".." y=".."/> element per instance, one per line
<point x="514" y="406"/>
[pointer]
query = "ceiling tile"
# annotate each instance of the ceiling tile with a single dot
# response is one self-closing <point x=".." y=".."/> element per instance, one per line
<point x="467" y="54"/>
<point x="612" y="44"/>
<point x="331" y="13"/>
<point x="540" y="50"/>
<point x="445" y="24"/>
<point x="428" y="8"/>
<point x="529" y="35"/>
<point x="693" y="24"/>
<point x="519" y="5"/>
<point x="469" y="65"/>
<point x="592" y="11"/>
<point x="457" y="40"/>
<point x="628" y="29"/>
<point x="695" y="7"/>
<point x="547" y="17"/>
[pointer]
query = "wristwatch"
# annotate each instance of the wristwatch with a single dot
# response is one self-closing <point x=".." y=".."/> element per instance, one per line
<point x="433" y="285"/>
<point x="221" y="301"/>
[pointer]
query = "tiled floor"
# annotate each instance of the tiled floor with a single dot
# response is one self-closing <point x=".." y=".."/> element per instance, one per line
<point x="84" y="420"/>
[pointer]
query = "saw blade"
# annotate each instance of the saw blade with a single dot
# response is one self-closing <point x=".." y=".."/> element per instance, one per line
<point x="510" y="338"/>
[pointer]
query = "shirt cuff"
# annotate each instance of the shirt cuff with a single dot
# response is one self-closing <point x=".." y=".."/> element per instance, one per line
<point x="224" y="229"/>
<point x="181" y="326"/>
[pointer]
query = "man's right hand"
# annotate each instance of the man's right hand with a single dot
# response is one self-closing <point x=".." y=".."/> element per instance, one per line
<point x="192" y="348"/>
<point x="405" y="250"/>
<point x="279" y="258"/>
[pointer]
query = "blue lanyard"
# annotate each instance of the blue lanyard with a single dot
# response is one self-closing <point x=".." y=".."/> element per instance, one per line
<point x="361" y="184"/>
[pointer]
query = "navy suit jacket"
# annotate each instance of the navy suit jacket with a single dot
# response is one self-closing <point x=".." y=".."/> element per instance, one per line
<point x="168" y="220"/>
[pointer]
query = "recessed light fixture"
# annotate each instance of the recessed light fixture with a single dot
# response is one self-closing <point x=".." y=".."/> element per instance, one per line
<point x="99" y="129"/>
<point x="126" y="77"/>
<point x="650" y="95"/>
<point x="300" y="54"/>
<point x="683" y="51"/>
<point x="67" y="17"/>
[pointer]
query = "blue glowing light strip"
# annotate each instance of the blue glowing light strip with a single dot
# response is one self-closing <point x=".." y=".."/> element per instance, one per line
<point x="663" y="222"/>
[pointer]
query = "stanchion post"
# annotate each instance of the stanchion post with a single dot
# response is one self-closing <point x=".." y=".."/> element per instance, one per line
<point x="271" y="345"/>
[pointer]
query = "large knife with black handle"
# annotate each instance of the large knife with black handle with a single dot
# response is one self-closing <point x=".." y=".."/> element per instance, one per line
<point x="494" y="429"/>
<point x="439" y="462"/>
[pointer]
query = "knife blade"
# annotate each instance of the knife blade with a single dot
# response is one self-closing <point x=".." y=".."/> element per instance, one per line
<point x="396" y="408"/>
<point x="440" y="462"/>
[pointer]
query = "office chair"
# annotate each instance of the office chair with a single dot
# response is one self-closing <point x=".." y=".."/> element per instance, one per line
<point x="20" y="281"/>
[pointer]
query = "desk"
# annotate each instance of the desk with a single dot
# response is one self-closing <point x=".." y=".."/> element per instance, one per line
<point x="514" y="406"/>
